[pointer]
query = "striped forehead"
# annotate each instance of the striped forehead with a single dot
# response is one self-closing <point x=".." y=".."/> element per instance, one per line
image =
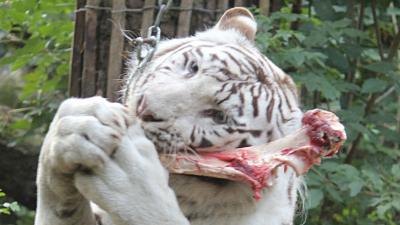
<point x="229" y="55"/>
<point x="198" y="47"/>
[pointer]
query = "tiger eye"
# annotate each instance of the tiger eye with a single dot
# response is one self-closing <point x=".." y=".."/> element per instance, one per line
<point x="219" y="117"/>
<point x="216" y="115"/>
<point x="193" y="68"/>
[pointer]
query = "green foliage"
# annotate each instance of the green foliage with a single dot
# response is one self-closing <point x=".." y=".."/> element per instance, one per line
<point x="337" y="66"/>
<point x="24" y="216"/>
<point x="7" y="207"/>
<point x="35" y="48"/>
<point x="35" y="37"/>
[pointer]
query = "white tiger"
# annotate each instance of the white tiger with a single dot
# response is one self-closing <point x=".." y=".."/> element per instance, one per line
<point x="99" y="163"/>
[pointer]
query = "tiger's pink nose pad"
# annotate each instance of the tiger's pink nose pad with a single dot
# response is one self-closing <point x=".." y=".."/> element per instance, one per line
<point x="144" y="113"/>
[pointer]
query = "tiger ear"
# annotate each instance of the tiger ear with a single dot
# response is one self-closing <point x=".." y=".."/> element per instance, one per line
<point x="239" y="19"/>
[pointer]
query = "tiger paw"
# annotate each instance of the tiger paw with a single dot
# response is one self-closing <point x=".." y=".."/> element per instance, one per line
<point x="84" y="133"/>
<point x="134" y="172"/>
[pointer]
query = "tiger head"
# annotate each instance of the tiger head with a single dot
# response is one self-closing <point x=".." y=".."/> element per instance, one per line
<point x="214" y="91"/>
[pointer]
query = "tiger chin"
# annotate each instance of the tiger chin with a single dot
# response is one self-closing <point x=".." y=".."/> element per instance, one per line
<point x="99" y="161"/>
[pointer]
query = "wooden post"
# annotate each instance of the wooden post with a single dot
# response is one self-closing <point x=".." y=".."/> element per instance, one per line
<point x="276" y="5"/>
<point x="222" y="6"/>
<point x="99" y="48"/>
<point x="212" y="5"/>
<point x="89" y="56"/>
<point x="115" y="61"/>
<point x="75" y="77"/>
<point x="238" y="2"/>
<point x="264" y="7"/>
<point x="148" y="16"/>
<point x="185" y="16"/>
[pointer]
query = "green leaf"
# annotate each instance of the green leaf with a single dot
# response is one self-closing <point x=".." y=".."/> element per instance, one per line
<point x="320" y="83"/>
<point x="380" y="67"/>
<point x="21" y="61"/>
<point x="376" y="201"/>
<point x="381" y="210"/>
<point x="383" y="116"/>
<point x="393" y="11"/>
<point x="373" y="85"/>
<point x="354" y="33"/>
<point x="334" y="194"/>
<point x="371" y="54"/>
<point x="324" y="9"/>
<point x="21" y="124"/>
<point x="349" y="171"/>
<point x="389" y="134"/>
<point x="355" y="187"/>
<point x="351" y="50"/>
<point x="313" y="180"/>
<point x="14" y="206"/>
<point x="316" y="38"/>
<point x="373" y="178"/>
<point x="290" y="17"/>
<point x="343" y="23"/>
<point x="293" y="56"/>
<point x="351" y="115"/>
<point x="330" y="166"/>
<point x="284" y="34"/>
<point x="396" y="203"/>
<point x="8" y="60"/>
<point x="344" y="86"/>
<point x="396" y="170"/>
<point x="5" y="211"/>
<point x="315" y="197"/>
<point x="337" y="59"/>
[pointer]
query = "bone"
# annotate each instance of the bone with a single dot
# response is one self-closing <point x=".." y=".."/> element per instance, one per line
<point x="320" y="136"/>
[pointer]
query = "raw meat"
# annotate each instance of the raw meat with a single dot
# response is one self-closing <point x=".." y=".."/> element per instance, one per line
<point x="321" y="135"/>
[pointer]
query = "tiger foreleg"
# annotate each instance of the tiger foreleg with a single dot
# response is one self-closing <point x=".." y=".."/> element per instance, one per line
<point x="75" y="142"/>
<point x="87" y="156"/>
<point x="132" y="186"/>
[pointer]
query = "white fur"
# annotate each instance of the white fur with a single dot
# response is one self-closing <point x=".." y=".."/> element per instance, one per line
<point x="96" y="161"/>
<point x="130" y="184"/>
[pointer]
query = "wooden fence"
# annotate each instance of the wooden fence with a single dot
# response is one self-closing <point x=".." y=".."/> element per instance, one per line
<point x="100" y="50"/>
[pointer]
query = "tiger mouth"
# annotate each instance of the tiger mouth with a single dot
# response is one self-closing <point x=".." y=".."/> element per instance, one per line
<point x="208" y="149"/>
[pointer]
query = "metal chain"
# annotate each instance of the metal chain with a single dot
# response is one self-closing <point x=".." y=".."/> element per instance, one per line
<point x="149" y="44"/>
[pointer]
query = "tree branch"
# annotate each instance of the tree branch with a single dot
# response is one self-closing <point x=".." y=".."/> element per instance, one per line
<point x="377" y="30"/>
<point x="394" y="47"/>
<point x="316" y="98"/>
<point x="296" y="9"/>
<point x="385" y="94"/>
<point x="276" y="5"/>
<point x="360" y="21"/>
<point x="350" y="76"/>
<point x="353" y="146"/>
<point x="376" y="97"/>
<point x="350" y="9"/>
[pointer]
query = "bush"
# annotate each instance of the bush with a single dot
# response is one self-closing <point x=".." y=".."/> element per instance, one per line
<point x="344" y="59"/>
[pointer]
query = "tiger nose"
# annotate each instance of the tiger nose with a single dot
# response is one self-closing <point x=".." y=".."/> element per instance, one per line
<point x="144" y="112"/>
